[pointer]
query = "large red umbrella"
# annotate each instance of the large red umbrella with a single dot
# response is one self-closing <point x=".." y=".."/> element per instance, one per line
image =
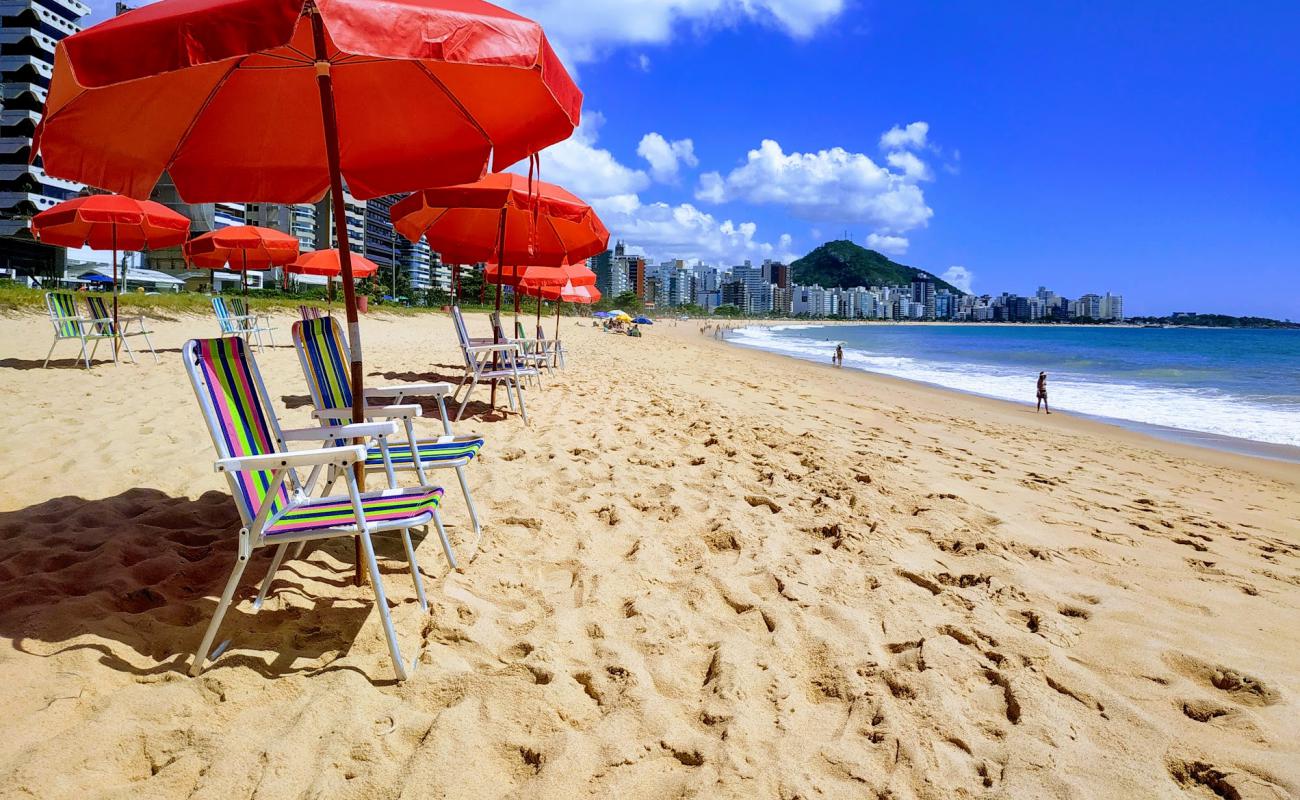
<point x="110" y="222"/>
<point x="241" y="248"/>
<point x="329" y="264"/>
<point x="503" y="219"/>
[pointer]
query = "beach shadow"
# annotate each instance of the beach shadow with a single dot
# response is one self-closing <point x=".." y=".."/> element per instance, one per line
<point x="136" y="578"/>
<point x="453" y="377"/>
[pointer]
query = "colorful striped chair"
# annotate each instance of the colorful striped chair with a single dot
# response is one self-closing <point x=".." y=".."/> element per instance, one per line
<point x="258" y="323"/>
<point x="325" y="358"/>
<point x="68" y="324"/>
<point x="252" y="452"/>
<point x="103" y="321"/>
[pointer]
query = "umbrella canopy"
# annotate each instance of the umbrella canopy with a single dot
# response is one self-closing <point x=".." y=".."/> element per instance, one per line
<point x="110" y="222"/>
<point x="241" y="248"/>
<point x="568" y="293"/>
<point x="492" y="220"/>
<point x="644" y="321"/>
<point x="326" y="262"/>
<point x="572" y="275"/>
<point x="223" y="95"/>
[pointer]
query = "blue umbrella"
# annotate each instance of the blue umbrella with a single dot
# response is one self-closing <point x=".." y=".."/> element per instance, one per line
<point x="95" y="277"/>
<point x="643" y="321"/>
<point x="601" y="314"/>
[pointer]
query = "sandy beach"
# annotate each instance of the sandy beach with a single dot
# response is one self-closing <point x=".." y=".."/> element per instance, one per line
<point x="706" y="572"/>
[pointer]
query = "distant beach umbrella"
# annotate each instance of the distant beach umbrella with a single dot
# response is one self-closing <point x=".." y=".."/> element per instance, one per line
<point x="644" y="321"/>
<point x="110" y="222"/>
<point x="327" y="263"/>
<point x="241" y="248"/>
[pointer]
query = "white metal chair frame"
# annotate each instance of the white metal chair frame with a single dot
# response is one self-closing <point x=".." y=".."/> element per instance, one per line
<point x="104" y="326"/>
<point x="72" y="327"/>
<point x="479" y="367"/>
<point x="553" y="346"/>
<point x="245" y="326"/>
<point x="260" y="322"/>
<point x="396" y="412"/>
<point x="284" y="463"/>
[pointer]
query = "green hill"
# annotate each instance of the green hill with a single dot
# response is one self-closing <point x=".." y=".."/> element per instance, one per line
<point x="844" y="264"/>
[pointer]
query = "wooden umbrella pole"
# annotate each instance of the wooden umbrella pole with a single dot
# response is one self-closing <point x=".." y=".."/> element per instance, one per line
<point x="331" y="125"/>
<point x="496" y="329"/>
<point x="558" y="303"/>
<point x="117" y="332"/>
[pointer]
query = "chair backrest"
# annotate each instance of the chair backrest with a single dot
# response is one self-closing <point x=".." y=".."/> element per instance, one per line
<point x="223" y="316"/>
<point x="63" y="314"/>
<point x="498" y="333"/>
<point x="541" y="334"/>
<point x="100" y="314"/>
<point x="462" y="333"/>
<point x="310" y="312"/>
<point x="238" y="307"/>
<point x="325" y="359"/>
<point x="238" y="413"/>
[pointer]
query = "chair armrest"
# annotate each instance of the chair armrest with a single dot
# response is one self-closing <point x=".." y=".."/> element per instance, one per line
<point x="503" y="347"/>
<point x="410" y="389"/>
<point x="383" y="412"/>
<point x="338" y="456"/>
<point x="358" y="430"/>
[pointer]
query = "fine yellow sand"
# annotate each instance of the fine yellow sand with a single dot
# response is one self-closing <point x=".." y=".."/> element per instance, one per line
<point x="706" y="572"/>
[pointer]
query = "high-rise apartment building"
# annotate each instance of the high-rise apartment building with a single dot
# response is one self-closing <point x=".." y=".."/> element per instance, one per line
<point x="923" y="294"/>
<point x="29" y="30"/>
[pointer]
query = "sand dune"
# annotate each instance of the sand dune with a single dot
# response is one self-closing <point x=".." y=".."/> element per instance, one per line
<point x="706" y="572"/>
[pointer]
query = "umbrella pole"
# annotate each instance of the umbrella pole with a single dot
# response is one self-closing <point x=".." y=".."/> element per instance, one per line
<point x="117" y="332"/>
<point x="558" y="303"/>
<point x="496" y="329"/>
<point x="330" y="123"/>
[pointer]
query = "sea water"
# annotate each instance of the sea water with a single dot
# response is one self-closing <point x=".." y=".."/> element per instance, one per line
<point x="1242" y="384"/>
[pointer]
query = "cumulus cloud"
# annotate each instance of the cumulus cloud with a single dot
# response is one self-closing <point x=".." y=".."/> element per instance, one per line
<point x="912" y="137"/>
<point x="827" y="186"/>
<point x="889" y="245"/>
<point x="959" y="277"/>
<point x="662" y="230"/>
<point x="909" y="165"/>
<point x="583" y="30"/>
<point x="589" y="171"/>
<point x="666" y="157"/>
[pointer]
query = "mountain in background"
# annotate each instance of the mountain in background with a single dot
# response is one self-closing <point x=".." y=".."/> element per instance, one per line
<point x="844" y="264"/>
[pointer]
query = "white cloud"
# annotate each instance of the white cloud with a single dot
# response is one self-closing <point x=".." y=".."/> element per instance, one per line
<point x="684" y="231"/>
<point x="889" y="245"/>
<point x="960" y="277"/>
<point x="643" y="62"/>
<point x="912" y="137"/>
<point x="666" y="157"/>
<point x="909" y="165"/>
<point x="586" y="170"/>
<point x="827" y="186"/>
<point x="583" y="30"/>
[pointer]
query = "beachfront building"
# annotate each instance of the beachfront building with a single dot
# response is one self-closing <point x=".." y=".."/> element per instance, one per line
<point x="923" y="294"/>
<point x="29" y="30"/>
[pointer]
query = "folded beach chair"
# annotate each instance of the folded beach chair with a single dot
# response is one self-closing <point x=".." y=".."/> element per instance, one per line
<point x="251" y="451"/>
<point x="102" y="319"/>
<point x="258" y="323"/>
<point x="487" y="362"/>
<point x="554" y="346"/>
<point x="325" y="359"/>
<point x="68" y="324"/>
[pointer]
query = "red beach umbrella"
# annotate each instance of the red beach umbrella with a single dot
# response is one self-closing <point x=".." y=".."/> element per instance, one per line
<point x="282" y="100"/>
<point x="241" y="248"/>
<point x="329" y="264"/>
<point x="110" y="222"/>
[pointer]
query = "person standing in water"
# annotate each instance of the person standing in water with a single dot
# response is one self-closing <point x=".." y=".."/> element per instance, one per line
<point x="1042" y="393"/>
<point x="838" y="360"/>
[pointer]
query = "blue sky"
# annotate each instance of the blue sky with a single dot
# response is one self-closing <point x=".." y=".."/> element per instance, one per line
<point x="1150" y="149"/>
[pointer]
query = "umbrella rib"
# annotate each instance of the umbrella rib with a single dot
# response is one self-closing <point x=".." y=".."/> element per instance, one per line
<point x="455" y="101"/>
<point x="194" y="120"/>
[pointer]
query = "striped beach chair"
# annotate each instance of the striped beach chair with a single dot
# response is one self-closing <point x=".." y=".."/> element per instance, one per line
<point x="310" y="312"/>
<point x="262" y="472"/>
<point x="258" y="323"/>
<point x="536" y="351"/>
<point x="325" y="358"/>
<point x="69" y="325"/>
<point x="554" y="346"/>
<point x="102" y="319"/>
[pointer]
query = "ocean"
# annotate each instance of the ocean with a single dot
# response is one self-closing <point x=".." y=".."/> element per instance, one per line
<point x="1221" y="388"/>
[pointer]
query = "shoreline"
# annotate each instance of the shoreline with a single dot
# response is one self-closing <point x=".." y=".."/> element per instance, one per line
<point x="1251" y="448"/>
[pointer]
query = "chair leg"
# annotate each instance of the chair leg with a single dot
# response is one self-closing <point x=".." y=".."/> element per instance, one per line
<point x="270" y="576"/>
<point x="84" y="356"/>
<point x="465" y="402"/>
<point x="446" y="543"/>
<point x="51" y="353"/>
<point x="201" y="655"/>
<point x="469" y="503"/>
<point x="523" y="410"/>
<point x="415" y="568"/>
<point x="151" y="350"/>
<point x="129" y="351"/>
<point x="381" y="600"/>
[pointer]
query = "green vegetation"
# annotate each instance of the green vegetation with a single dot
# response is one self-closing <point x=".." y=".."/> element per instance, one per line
<point x="1214" y="321"/>
<point x="844" y="264"/>
<point x="730" y="311"/>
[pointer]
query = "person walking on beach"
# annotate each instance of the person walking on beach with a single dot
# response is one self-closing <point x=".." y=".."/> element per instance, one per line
<point x="1042" y="393"/>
